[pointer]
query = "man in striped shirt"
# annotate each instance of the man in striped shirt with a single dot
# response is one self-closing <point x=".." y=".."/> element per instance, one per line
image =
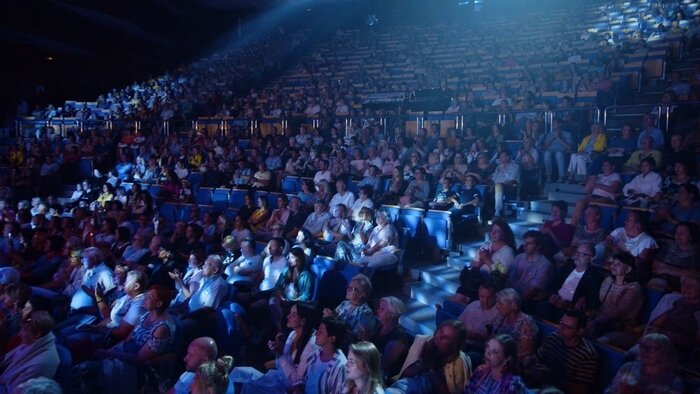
<point x="565" y="358"/>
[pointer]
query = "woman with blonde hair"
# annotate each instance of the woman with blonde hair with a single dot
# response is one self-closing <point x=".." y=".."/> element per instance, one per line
<point x="362" y="371"/>
<point x="212" y="377"/>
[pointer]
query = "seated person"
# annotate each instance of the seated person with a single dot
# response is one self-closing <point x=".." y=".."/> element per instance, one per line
<point x="417" y="190"/>
<point x="199" y="352"/>
<point x="557" y="233"/>
<point x="445" y="198"/>
<point x="317" y="219"/>
<point x="381" y="245"/>
<point x="565" y="358"/>
<point x="95" y="273"/>
<point x="633" y="239"/>
<point x="655" y="371"/>
<point x="588" y="150"/>
<point x="676" y="258"/>
<point x="436" y="363"/>
<point x="338" y="228"/>
<point x="351" y="250"/>
<point x="617" y="319"/>
<point x="531" y="271"/>
<point x="245" y="268"/>
<point x="505" y="179"/>
<point x="35" y="357"/>
<point x="363" y="200"/>
<point x="633" y="164"/>
<point x="515" y="323"/>
<point x="602" y="188"/>
<point x="213" y="290"/>
<point x="677" y="315"/>
<point x="354" y="311"/>
<point x="590" y="231"/>
<point x="468" y="197"/>
<point x="645" y="188"/>
<point x="343" y="196"/>
<point x="372" y="180"/>
<point x="577" y="287"/>
<point x="478" y="316"/>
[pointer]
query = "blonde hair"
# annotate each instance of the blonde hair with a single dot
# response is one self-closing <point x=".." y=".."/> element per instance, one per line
<point x="367" y="358"/>
<point x="214" y="374"/>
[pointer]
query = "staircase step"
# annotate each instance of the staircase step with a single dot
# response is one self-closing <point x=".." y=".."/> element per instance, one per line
<point x="419" y="318"/>
<point x="571" y="198"/>
<point x="428" y="294"/>
<point x="442" y="276"/>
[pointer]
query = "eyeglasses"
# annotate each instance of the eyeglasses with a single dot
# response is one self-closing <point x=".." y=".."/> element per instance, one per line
<point x="584" y="254"/>
<point x="354" y="289"/>
<point x="561" y="325"/>
<point x="648" y="348"/>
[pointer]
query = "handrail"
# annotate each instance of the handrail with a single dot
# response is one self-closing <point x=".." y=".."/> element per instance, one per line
<point x="656" y="108"/>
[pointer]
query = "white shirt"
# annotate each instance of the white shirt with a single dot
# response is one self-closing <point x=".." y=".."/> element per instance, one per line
<point x="272" y="270"/>
<point x="650" y="184"/>
<point x="634" y="245"/>
<point x="100" y="274"/>
<point x="346" y="199"/>
<point x="606" y="180"/>
<point x="569" y="287"/>
<point x="128" y="310"/>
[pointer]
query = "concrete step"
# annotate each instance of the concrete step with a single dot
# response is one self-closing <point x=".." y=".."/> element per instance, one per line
<point x="419" y="318"/>
<point x="442" y="276"/>
<point x="570" y="198"/>
<point x="565" y="187"/>
<point x="428" y="294"/>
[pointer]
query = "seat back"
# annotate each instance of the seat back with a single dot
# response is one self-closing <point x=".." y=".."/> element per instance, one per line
<point x="64" y="366"/>
<point x="611" y="359"/>
<point x="219" y="199"/>
<point x="438" y="231"/>
<point x="203" y="196"/>
<point x="237" y="198"/>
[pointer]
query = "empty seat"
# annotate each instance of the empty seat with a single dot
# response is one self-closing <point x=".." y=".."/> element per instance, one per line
<point x="203" y="196"/>
<point x="219" y="199"/>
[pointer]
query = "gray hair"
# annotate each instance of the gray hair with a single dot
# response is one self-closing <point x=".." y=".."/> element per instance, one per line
<point x="94" y="252"/>
<point x="141" y="278"/>
<point x="381" y="214"/>
<point x="509" y="295"/>
<point x="364" y="283"/>
<point x="215" y="258"/>
<point x="394" y="305"/>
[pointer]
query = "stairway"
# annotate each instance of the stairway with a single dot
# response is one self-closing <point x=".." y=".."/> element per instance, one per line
<point x="436" y="282"/>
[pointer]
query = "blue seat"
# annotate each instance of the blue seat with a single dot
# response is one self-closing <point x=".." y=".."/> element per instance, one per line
<point x="320" y="265"/>
<point x="544" y="329"/>
<point x="438" y="231"/>
<point x="621" y="217"/>
<point x="651" y="299"/>
<point x="258" y="194"/>
<point x="260" y="246"/>
<point x="290" y="185"/>
<point x="449" y="311"/>
<point x="226" y="332"/>
<point x="154" y="190"/>
<point x="127" y="186"/>
<point x="411" y="218"/>
<point x="392" y="211"/>
<point x="611" y="359"/>
<point x="64" y="366"/>
<point x="272" y="200"/>
<point x="243" y="144"/>
<point x="85" y="167"/>
<point x="220" y="198"/>
<point x="237" y="198"/>
<point x="203" y="196"/>
<point x="183" y="212"/>
<point x="607" y="214"/>
<point x="167" y="212"/>
<point x="195" y="179"/>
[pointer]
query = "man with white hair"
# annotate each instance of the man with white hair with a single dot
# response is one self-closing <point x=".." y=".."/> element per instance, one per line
<point x="96" y="273"/>
<point x="213" y="290"/>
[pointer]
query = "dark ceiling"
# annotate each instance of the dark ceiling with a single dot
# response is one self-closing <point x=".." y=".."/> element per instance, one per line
<point x="78" y="48"/>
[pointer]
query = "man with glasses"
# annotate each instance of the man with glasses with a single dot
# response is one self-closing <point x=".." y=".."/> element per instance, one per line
<point x="566" y="359"/>
<point x="577" y="287"/>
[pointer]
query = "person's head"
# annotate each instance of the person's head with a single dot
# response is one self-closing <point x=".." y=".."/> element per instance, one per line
<point x="15" y="297"/>
<point x="390" y="309"/>
<point x="647" y="143"/>
<point x="507" y="301"/>
<point x="558" y="210"/>
<point x="572" y="324"/>
<point x="40" y="385"/>
<point x="340" y="211"/>
<point x="294" y="204"/>
<point x="275" y="246"/>
<point x="157" y="299"/>
<point x="364" y="365"/>
<point x="319" y="207"/>
<point x="690" y="287"/>
<point x="341" y="186"/>
<point x="583" y="256"/>
<point x="199" y="351"/>
<point x="366" y="191"/>
<point x="686" y="234"/>
<point x="282" y="201"/>
<point x="532" y="240"/>
<point x="297" y="259"/>
<point x="623" y="265"/>
<point x="359" y="289"/>
<point x="677" y="142"/>
<point x="504" y="157"/>
<point x="419" y="173"/>
<point x="487" y="295"/>
<point x="304" y="236"/>
<point x="92" y="256"/>
<point x="657" y="350"/>
<point x="365" y="214"/>
<point x="213" y="266"/>
<point x="381" y="217"/>
<point x="469" y="181"/>
<point x="501" y="232"/>
<point x="123" y="234"/>
<point x="35" y="326"/>
<point x="501" y="353"/>
<point x="331" y="332"/>
<point x="687" y="193"/>
<point x="262" y="202"/>
<point x="449" y="338"/>
<point x="596" y="129"/>
<point x="634" y="223"/>
<point x="591" y="216"/>
<point x="647" y="165"/>
<point x="212" y="376"/>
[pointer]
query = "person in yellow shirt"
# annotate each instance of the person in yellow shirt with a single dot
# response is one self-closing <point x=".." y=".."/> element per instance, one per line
<point x="590" y="147"/>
